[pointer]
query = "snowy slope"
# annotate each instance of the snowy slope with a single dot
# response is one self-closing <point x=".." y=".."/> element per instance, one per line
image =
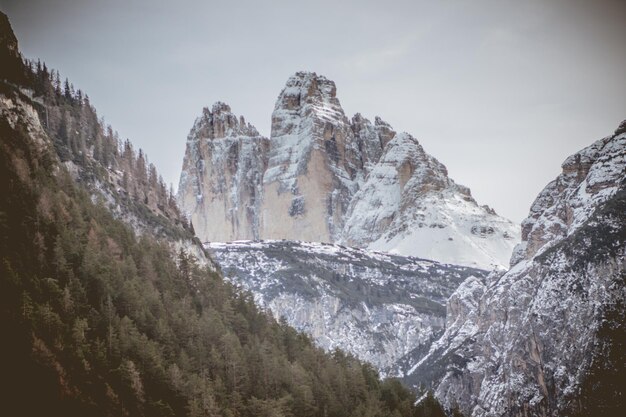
<point x="408" y="205"/>
<point x="383" y="308"/>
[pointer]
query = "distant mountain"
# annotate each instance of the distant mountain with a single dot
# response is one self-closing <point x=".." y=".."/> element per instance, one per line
<point x="323" y="177"/>
<point x="385" y="309"/>
<point x="548" y="337"/>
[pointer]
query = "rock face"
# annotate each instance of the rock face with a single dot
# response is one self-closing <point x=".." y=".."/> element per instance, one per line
<point x="313" y="163"/>
<point x="222" y="177"/>
<point x="547" y="337"/>
<point x="385" y="309"/>
<point x="325" y="178"/>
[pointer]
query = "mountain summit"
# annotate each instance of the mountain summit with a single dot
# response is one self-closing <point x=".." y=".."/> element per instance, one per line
<point x="323" y="177"/>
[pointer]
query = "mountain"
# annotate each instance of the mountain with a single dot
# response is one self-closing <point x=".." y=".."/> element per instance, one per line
<point x="548" y="337"/>
<point x="106" y="308"/>
<point x="323" y="177"/>
<point x="385" y="309"/>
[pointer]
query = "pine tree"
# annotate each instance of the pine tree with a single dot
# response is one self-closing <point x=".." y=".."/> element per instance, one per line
<point x="66" y="90"/>
<point x="57" y="83"/>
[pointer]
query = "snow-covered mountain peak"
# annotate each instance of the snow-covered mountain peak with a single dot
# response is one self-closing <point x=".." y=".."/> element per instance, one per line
<point x="308" y="86"/>
<point x="313" y="162"/>
<point x="306" y="95"/>
<point x="220" y="107"/>
<point x="222" y="174"/>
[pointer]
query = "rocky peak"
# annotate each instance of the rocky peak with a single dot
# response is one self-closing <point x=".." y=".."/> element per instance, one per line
<point x="326" y="178"/>
<point x="534" y="341"/>
<point x="371" y="139"/>
<point x="306" y="96"/>
<point x="403" y="167"/>
<point x="409" y="205"/>
<point x="587" y="178"/>
<point x="306" y="88"/>
<point x="313" y="162"/>
<point x="220" y="107"/>
<point x="222" y="175"/>
<point x="220" y="122"/>
<point x="425" y="172"/>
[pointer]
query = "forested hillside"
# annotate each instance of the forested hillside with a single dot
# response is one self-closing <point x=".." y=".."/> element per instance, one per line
<point x="99" y="320"/>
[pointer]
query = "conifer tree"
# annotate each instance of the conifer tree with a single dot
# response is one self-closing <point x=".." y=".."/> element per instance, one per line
<point x="66" y="90"/>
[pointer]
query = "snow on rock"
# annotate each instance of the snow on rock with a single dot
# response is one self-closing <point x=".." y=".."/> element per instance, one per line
<point x="382" y="308"/>
<point x="313" y="162"/>
<point x="409" y="205"/>
<point x="540" y="339"/>
<point x="589" y="177"/>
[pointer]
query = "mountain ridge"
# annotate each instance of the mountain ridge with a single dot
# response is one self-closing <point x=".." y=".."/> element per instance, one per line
<point x="320" y="168"/>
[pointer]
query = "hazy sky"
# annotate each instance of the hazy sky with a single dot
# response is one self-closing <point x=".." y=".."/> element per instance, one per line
<point x="499" y="91"/>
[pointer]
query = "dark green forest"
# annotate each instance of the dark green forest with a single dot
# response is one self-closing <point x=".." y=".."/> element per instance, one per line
<point x="98" y="321"/>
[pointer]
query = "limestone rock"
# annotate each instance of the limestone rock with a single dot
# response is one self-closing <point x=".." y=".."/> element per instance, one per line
<point x="221" y="181"/>
<point x="313" y="162"/>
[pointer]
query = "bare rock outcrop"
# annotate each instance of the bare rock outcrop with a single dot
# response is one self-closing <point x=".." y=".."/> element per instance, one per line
<point x="313" y="163"/>
<point x="221" y="181"/>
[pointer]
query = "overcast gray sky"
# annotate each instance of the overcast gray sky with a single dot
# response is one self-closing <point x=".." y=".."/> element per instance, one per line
<point x="501" y="92"/>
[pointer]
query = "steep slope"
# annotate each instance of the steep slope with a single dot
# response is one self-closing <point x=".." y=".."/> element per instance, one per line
<point x="99" y="319"/>
<point x="221" y="181"/>
<point x="330" y="179"/>
<point x="547" y="337"/>
<point x="382" y="308"/>
<point x="112" y="170"/>
<point x="409" y="205"/>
